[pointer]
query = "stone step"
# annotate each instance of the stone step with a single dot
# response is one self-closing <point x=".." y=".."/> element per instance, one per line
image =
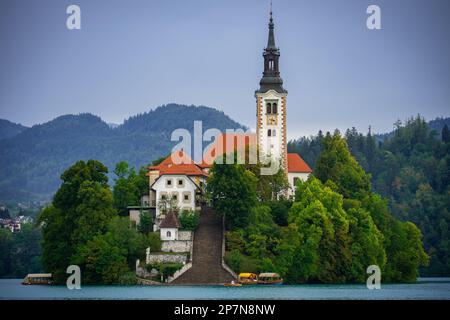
<point x="207" y="260"/>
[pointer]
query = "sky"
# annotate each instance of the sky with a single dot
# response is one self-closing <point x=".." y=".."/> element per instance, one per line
<point x="132" y="56"/>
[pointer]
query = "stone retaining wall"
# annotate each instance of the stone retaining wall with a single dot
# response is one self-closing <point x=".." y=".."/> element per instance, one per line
<point x="176" y="246"/>
<point x="167" y="258"/>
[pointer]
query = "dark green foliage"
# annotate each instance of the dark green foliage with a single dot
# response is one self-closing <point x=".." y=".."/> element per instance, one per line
<point x="280" y="211"/>
<point x="154" y="242"/>
<point x="81" y="210"/>
<point x="410" y="167"/>
<point x="445" y="134"/>
<point x="20" y="253"/>
<point x="233" y="193"/>
<point x="126" y="188"/>
<point x="189" y="220"/>
<point x="33" y="159"/>
<point x="108" y="257"/>
<point x="145" y="222"/>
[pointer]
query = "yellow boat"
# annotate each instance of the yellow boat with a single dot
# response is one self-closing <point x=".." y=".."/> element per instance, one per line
<point x="248" y="278"/>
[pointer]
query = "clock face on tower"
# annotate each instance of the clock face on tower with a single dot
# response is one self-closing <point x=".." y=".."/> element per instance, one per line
<point x="272" y="120"/>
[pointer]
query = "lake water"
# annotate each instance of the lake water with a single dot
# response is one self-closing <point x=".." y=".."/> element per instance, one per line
<point x="425" y="288"/>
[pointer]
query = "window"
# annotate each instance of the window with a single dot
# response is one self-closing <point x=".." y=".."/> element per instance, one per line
<point x="168" y="183"/>
<point x="274" y="108"/>
<point x="296" y="180"/>
<point x="180" y="182"/>
<point x="274" y="133"/>
<point x="271" y="65"/>
<point x="269" y="133"/>
<point x="269" y="108"/>
<point x="186" y="197"/>
<point x="175" y="197"/>
<point x="163" y="197"/>
<point x="168" y="234"/>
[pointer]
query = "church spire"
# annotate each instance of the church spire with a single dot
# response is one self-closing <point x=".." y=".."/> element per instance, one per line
<point x="271" y="40"/>
<point x="271" y="76"/>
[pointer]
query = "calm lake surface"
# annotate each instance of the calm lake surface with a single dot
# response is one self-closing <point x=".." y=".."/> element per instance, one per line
<point x="425" y="288"/>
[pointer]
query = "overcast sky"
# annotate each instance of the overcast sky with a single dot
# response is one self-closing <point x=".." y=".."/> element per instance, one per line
<point x="131" y="56"/>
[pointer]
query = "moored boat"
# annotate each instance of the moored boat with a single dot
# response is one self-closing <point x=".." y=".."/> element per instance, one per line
<point x="232" y="284"/>
<point x="269" y="278"/>
<point x="248" y="278"/>
<point x="38" y="278"/>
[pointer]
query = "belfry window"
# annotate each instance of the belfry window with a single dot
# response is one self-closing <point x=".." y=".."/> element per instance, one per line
<point x="269" y="133"/>
<point x="269" y="108"/>
<point x="168" y="234"/>
<point x="274" y="108"/>
<point x="271" y="65"/>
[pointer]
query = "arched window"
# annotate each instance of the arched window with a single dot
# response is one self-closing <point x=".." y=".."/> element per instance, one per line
<point x="269" y="108"/>
<point x="168" y="234"/>
<point x="269" y="133"/>
<point x="274" y="133"/>
<point x="274" y="108"/>
<point x="271" y="65"/>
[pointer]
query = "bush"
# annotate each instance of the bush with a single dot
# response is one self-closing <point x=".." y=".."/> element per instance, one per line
<point x="164" y="269"/>
<point x="240" y="263"/>
<point x="154" y="242"/>
<point x="189" y="220"/>
<point x="128" y="279"/>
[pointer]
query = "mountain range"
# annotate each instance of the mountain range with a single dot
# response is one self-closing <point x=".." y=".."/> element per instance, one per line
<point x="33" y="158"/>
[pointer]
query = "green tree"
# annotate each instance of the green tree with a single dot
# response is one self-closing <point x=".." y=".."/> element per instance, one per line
<point x="337" y="164"/>
<point x="232" y="189"/>
<point x="145" y="222"/>
<point x="126" y="188"/>
<point x="6" y="243"/>
<point x="109" y="256"/>
<point x="189" y="220"/>
<point x="445" y="134"/>
<point x="80" y="210"/>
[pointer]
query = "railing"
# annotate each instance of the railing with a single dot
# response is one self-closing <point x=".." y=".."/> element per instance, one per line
<point x="224" y="265"/>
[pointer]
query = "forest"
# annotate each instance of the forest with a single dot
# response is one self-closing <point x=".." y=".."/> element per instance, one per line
<point x="410" y="168"/>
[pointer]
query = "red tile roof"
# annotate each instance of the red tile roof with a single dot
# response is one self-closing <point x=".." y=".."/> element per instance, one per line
<point x="227" y="143"/>
<point x="297" y="164"/>
<point x="179" y="163"/>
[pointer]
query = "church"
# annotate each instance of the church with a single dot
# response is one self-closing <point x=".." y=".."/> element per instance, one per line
<point x="181" y="183"/>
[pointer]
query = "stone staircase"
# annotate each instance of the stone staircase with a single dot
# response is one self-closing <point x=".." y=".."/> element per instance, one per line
<point x="207" y="256"/>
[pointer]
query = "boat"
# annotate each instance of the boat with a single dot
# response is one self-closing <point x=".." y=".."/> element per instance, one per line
<point x="269" y="278"/>
<point x="232" y="284"/>
<point x="248" y="278"/>
<point x="38" y="278"/>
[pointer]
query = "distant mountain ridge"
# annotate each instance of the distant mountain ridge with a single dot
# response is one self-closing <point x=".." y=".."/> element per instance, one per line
<point x="32" y="160"/>
<point x="9" y="129"/>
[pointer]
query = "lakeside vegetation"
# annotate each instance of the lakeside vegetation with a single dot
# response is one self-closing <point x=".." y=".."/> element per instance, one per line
<point x="331" y="233"/>
<point x="360" y="207"/>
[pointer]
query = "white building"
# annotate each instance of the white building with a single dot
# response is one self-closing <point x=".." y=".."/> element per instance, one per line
<point x="168" y="229"/>
<point x="177" y="183"/>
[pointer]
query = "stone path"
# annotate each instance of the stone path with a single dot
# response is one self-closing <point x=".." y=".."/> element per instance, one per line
<point x="207" y="266"/>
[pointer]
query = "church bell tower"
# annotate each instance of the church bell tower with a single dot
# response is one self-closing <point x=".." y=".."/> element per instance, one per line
<point x="271" y="104"/>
